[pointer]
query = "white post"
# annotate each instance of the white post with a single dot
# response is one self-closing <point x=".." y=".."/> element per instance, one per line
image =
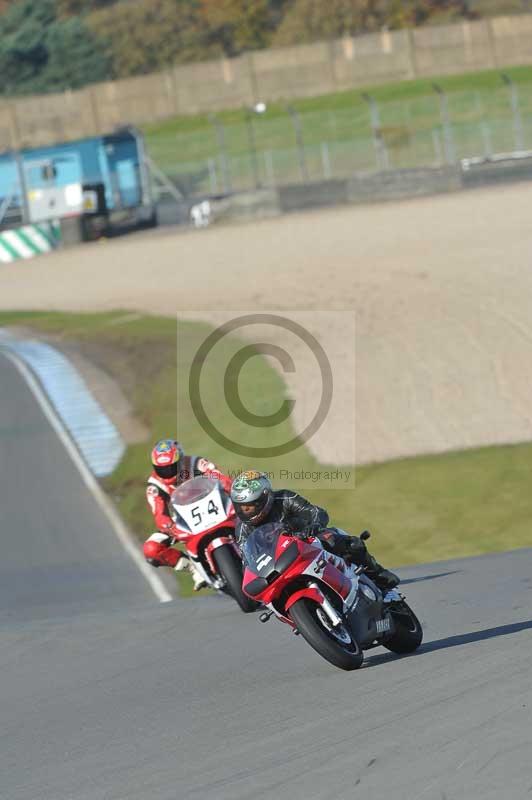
<point x="486" y="138"/>
<point x="381" y="151"/>
<point x="446" y="124"/>
<point x="519" y="138"/>
<point x="268" y="164"/>
<point x="326" y="160"/>
<point x="213" y="178"/>
<point x="436" y="142"/>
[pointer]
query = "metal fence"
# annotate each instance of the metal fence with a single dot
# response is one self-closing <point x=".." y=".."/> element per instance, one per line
<point x="270" y="148"/>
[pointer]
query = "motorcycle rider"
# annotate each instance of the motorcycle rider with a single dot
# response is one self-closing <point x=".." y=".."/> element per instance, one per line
<point x="171" y="467"/>
<point x="255" y="503"/>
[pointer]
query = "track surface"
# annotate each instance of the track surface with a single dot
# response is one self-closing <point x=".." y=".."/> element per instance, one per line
<point x="59" y="555"/>
<point x="105" y="694"/>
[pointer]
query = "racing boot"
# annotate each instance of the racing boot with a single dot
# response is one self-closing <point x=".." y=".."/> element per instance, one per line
<point x="384" y="579"/>
<point x="354" y="551"/>
<point x="185" y="564"/>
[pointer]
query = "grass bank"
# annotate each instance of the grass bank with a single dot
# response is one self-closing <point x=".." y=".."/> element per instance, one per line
<point x="479" y="107"/>
<point x="419" y="509"/>
<point x="486" y="80"/>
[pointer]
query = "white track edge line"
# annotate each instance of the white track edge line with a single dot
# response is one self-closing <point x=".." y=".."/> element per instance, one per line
<point x="122" y="532"/>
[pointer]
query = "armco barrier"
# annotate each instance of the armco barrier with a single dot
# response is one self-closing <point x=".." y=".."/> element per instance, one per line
<point x="402" y="183"/>
<point x="250" y="205"/>
<point x="373" y="187"/>
<point x="313" y="195"/>
<point x="486" y="172"/>
<point x="28" y="241"/>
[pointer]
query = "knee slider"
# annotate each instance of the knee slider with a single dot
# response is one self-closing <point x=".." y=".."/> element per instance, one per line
<point x="158" y="553"/>
<point x="152" y="550"/>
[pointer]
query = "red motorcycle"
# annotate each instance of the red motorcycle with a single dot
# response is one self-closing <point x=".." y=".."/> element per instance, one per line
<point x="337" y="609"/>
<point x="204" y="512"/>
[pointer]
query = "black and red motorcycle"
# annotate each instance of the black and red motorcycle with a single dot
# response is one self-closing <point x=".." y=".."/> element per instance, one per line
<point x="205" y="518"/>
<point x="337" y="609"/>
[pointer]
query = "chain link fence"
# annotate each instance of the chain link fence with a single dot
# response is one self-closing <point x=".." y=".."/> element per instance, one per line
<point x="266" y="148"/>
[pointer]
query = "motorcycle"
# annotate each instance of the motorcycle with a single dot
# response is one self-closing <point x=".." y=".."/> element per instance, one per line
<point x="337" y="608"/>
<point x="204" y="516"/>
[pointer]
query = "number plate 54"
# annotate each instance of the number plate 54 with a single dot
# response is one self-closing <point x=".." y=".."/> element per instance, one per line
<point x="201" y="515"/>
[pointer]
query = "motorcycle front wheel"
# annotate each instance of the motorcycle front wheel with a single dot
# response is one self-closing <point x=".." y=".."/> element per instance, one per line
<point x="335" y="644"/>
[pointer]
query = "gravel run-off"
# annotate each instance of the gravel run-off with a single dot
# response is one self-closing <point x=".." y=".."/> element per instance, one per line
<point x="424" y="307"/>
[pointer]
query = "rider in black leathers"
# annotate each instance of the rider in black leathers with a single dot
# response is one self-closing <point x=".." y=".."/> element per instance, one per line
<point x="303" y="519"/>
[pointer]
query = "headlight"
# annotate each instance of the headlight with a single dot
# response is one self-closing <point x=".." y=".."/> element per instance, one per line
<point x="255" y="586"/>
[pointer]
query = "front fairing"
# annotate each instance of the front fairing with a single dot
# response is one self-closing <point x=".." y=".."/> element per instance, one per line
<point x="264" y="546"/>
<point x="259" y="548"/>
<point x="270" y="552"/>
<point x="199" y="506"/>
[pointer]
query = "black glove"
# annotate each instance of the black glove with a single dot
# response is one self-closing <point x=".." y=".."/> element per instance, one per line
<point x="386" y="579"/>
<point x="357" y="550"/>
<point x="310" y="532"/>
<point x="294" y="529"/>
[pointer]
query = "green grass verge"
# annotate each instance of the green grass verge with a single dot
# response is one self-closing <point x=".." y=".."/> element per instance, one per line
<point x="419" y="509"/>
<point x="399" y="91"/>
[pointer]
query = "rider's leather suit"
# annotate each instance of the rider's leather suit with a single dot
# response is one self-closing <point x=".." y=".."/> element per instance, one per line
<point x="158" y="548"/>
<point x="305" y="519"/>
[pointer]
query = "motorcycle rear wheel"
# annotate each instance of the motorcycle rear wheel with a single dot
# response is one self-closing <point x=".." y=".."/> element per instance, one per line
<point x="408" y="633"/>
<point x="333" y="647"/>
<point x="230" y="568"/>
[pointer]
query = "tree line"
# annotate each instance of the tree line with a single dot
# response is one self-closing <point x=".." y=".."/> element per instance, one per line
<point x="52" y="45"/>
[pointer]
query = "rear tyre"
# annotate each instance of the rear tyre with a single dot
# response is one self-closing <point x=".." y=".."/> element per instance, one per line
<point x="408" y="633"/>
<point x="335" y="645"/>
<point x="230" y="568"/>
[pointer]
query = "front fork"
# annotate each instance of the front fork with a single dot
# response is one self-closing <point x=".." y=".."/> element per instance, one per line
<point x="215" y="580"/>
<point x="313" y="592"/>
<point x="334" y="617"/>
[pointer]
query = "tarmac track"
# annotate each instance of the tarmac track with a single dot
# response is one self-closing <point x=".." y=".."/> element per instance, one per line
<point x="106" y="694"/>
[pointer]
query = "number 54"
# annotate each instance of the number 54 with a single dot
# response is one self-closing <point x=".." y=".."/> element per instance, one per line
<point x="212" y="508"/>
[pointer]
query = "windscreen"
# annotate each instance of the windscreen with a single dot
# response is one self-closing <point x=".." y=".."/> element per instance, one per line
<point x="193" y="490"/>
<point x="260" y="544"/>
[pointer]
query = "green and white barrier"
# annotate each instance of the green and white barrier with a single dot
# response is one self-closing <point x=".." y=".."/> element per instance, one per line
<point x="28" y="241"/>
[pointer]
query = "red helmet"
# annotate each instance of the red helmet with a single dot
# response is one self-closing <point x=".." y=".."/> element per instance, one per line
<point x="165" y="458"/>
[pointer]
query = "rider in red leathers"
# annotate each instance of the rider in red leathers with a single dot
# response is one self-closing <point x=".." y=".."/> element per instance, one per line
<point x="171" y="467"/>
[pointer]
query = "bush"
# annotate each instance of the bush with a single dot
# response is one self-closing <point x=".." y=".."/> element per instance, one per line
<point x="40" y="52"/>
